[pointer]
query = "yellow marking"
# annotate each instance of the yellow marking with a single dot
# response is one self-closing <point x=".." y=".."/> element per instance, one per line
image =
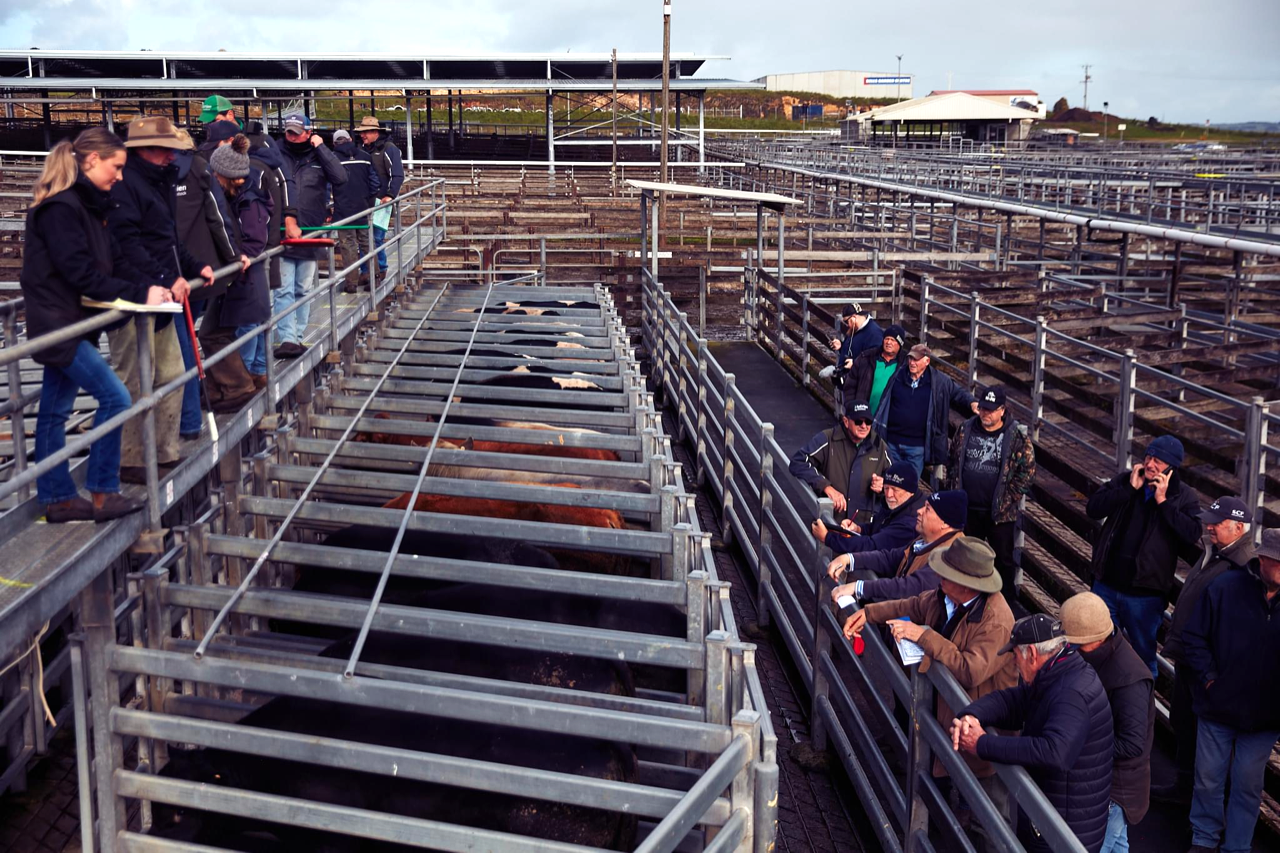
<point x="1209" y="175"/>
<point x="15" y="584"/>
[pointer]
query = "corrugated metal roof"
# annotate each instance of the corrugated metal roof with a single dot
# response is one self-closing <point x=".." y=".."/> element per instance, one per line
<point x="956" y="106"/>
<point x="984" y="92"/>
<point x="771" y="199"/>
<point x="205" y="85"/>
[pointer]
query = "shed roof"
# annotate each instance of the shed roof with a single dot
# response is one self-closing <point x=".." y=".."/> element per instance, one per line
<point x="985" y="92"/>
<point x="955" y="106"/>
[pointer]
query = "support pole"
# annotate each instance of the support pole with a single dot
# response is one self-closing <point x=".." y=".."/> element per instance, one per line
<point x="431" y="143"/>
<point x="666" y="105"/>
<point x="551" y="134"/>
<point x="614" y="168"/>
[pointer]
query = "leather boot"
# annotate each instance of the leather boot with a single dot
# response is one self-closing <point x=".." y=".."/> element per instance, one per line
<point x="74" y="509"/>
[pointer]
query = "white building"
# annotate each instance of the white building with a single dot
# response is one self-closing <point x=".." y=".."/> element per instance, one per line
<point x="842" y="84"/>
<point x="951" y="115"/>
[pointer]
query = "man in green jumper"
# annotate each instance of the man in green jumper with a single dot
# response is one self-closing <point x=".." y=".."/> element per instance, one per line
<point x="873" y="369"/>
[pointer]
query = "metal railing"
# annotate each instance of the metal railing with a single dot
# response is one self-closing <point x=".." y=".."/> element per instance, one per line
<point x="737" y="456"/>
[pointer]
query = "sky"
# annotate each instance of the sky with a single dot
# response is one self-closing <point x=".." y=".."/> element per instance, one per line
<point x="1177" y="60"/>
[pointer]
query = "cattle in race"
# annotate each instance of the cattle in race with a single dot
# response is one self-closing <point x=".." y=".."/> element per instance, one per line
<point x="549" y="447"/>
<point x="532" y="307"/>
<point x="400" y="795"/>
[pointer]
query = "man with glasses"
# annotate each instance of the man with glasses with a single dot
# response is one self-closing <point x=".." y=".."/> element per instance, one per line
<point x="846" y="463"/>
<point x="914" y="408"/>
<point x="315" y="170"/>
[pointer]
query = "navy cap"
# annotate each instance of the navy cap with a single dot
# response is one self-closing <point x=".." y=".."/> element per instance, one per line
<point x="1028" y="630"/>
<point x="1167" y="449"/>
<point x="855" y="409"/>
<point x="902" y="475"/>
<point x="991" y="399"/>
<point x="851" y="309"/>
<point x="296" y="121"/>
<point x="1227" y="509"/>
<point x="219" y="131"/>
<point x="898" y="333"/>
<point x="951" y="506"/>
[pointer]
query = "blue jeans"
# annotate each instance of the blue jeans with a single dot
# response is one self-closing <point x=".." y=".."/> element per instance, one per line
<point x="190" y="421"/>
<point x="379" y="235"/>
<point x="296" y="278"/>
<point x="90" y="371"/>
<point x="1117" y="838"/>
<point x="1138" y="616"/>
<point x="254" y="353"/>
<point x="1221" y="750"/>
<point x="909" y="453"/>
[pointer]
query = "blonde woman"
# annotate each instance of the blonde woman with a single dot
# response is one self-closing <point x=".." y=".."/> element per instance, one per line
<point x="68" y="253"/>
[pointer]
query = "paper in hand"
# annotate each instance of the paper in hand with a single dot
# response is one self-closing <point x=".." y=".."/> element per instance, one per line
<point x="909" y="651"/>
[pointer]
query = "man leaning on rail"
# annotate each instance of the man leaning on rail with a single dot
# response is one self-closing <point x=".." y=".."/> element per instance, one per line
<point x="893" y="527"/>
<point x="904" y="572"/>
<point x="846" y="463"/>
<point x="1086" y="621"/>
<point x="1066" y="739"/>
<point x="961" y="625"/>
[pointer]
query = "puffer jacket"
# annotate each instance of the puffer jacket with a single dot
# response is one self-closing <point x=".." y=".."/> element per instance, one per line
<point x="911" y="574"/>
<point x="831" y="458"/>
<point x="888" y="530"/>
<point x="968" y="647"/>
<point x="1017" y="466"/>
<point x="944" y="392"/>
<point x="1175" y="530"/>
<point x="201" y="212"/>
<point x="315" y="168"/>
<point x="1127" y="680"/>
<point x="1067" y="740"/>
<point x="1232" y="645"/>
<point x="1206" y="570"/>
<point x="277" y="182"/>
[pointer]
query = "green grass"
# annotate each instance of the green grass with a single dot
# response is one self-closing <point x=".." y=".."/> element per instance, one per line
<point x="1138" y="131"/>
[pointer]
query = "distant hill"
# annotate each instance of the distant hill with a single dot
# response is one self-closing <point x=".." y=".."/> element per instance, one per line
<point x="1253" y="126"/>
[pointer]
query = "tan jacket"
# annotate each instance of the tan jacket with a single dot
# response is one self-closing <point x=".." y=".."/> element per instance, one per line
<point x="970" y="654"/>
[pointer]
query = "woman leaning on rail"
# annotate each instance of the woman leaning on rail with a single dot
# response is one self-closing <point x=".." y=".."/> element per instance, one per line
<point x="68" y="253"/>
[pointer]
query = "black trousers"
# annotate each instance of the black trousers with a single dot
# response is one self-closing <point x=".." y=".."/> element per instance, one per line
<point x="1184" y="722"/>
<point x="1001" y="539"/>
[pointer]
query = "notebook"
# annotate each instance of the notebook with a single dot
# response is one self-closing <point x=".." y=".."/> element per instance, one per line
<point x="137" y="307"/>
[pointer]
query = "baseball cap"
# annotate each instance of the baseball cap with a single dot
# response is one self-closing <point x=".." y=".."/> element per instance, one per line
<point x="851" y="309"/>
<point x="296" y="121"/>
<point x="341" y="135"/>
<point x="1035" y="628"/>
<point x="1227" y="509"/>
<point x="218" y="131"/>
<point x="920" y="351"/>
<point x="213" y="105"/>
<point x="855" y="409"/>
<point x="991" y="399"/>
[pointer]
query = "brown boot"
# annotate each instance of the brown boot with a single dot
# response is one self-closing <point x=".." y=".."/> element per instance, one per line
<point x="107" y="507"/>
<point x="348" y="287"/>
<point x="74" y="509"/>
<point x="259" y="380"/>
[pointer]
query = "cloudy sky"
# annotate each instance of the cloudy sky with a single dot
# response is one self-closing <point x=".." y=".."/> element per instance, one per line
<point x="1180" y="60"/>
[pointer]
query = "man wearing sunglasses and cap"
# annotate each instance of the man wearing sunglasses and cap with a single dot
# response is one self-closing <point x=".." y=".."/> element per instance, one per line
<point x="1067" y="738"/>
<point x="845" y="463"/>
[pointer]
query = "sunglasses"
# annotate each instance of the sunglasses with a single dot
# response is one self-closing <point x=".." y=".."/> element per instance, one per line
<point x="860" y="422"/>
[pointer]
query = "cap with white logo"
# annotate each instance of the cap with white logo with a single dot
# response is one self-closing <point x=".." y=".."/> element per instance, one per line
<point x="1227" y="509"/>
<point x="991" y="399"/>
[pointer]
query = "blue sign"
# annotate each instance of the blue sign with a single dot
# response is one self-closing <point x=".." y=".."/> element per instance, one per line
<point x="886" y="81"/>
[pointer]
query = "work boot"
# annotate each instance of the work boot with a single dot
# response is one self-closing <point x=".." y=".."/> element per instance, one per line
<point x="107" y="507"/>
<point x="364" y="281"/>
<point x="259" y="380"/>
<point x="349" y="287"/>
<point x="73" y="509"/>
<point x="137" y="474"/>
<point x="289" y="349"/>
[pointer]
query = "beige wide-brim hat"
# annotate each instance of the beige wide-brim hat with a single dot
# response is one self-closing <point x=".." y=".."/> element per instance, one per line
<point x="969" y="562"/>
<point x="368" y="123"/>
<point x="1085" y="619"/>
<point x="155" y="132"/>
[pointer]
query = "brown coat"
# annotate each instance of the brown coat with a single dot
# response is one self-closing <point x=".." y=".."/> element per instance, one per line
<point x="970" y="653"/>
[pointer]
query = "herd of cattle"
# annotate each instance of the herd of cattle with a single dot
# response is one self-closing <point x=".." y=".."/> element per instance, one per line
<point x="603" y="759"/>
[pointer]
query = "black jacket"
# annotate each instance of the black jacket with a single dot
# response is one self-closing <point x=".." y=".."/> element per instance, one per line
<point x="387" y="164"/>
<point x="314" y="170"/>
<point x="831" y="458"/>
<point x="1067" y="739"/>
<point x="944" y="392"/>
<point x="201" y="212"/>
<point x="1175" y="530"/>
<point x="144" y="222"/>
<point x="892" y="530"/>
<point x="869" y="337"/>
<point x="68" y="252"/>
<point x="362" y="185"/>
<point x="1233" y="642"/>
<point x="277" y="182"/>
<point x="1127" y="680"/>
<point x="1206" y="570"/>
<point x="247" y="299"/>
<point x="863" y="373"/>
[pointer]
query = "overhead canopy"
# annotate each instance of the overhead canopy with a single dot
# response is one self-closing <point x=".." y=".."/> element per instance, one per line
<point x="952" y="107"/>
<point x="770" y="200"/>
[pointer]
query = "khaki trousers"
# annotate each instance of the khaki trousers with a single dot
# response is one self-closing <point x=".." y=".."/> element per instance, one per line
<point x="167" y="365"/>
<point x="351" y="245"/>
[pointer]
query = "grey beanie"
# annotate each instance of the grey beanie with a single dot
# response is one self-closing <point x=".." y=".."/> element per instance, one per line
<point x="341" y="135"/>
<point x="229" y="163"/>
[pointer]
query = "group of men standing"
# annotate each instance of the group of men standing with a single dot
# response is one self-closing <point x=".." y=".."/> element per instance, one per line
<point x="1070" y="698"/>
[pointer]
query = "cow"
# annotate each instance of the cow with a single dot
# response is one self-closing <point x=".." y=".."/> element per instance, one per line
<point x="548" y="448"/>
<point x="531" y="307"/>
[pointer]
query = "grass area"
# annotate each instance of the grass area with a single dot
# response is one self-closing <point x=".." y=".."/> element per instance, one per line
<point x="1137" y="131"/>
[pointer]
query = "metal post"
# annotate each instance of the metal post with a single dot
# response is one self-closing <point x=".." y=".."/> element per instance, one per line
<point x="975" y="307"/>
<point x="782" y="248"/>
<point x="80" y="709"/>
<point x="1124" y="411"/>
<point x="804" y="341"/>
<point x="17" y="419"/>
<point x="1253" y="464"/>
<point x="700" y="430"/>
<point x="644" y="228"/>
<point x="614" y="167"/>
<point x="653" y="236"/>
<point x="918" y="760"/>
<point x="333" y="302"/>
<point x="726" y="454"/>
<point x="551" y="134"/>
<point x="702" y="132"/>
<point x="97" y="614"/>
<point x="764" y="536"/>
<point x="924" y="309"/>
<point x="408" y="126"/>
<point x="144" y="330"/>
<point x="1037" y="377"/>
<point x="702" y="300"/>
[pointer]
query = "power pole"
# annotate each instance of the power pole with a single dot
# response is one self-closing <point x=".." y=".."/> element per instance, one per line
<point x="666" y="98"/>
<point x="1086" y="80"/>
<point x="899" y="80"/>
<point x="613" y="171"/>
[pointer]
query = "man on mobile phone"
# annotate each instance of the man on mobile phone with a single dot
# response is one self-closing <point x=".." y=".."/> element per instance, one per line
<point x="1151" y="518"/>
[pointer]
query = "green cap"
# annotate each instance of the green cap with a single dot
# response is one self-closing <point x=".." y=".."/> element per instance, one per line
<point x="213" y="105"/>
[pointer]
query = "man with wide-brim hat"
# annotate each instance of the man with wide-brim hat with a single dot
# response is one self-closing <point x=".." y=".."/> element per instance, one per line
<point x="376" y="140"/>
<point x="962" y="624"/>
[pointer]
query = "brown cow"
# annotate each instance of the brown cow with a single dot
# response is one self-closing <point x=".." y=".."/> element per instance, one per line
<point x="547" y="448"/>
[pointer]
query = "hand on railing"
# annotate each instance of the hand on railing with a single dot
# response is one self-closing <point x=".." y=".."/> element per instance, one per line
<point x="837" y="498"/>
<point x="965" y="734"/>
<point x="837" y="567"/>
<point x="854" y="624"/>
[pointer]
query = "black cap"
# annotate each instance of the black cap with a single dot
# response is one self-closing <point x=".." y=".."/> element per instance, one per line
<point x="1227" y="509"/>
<point x="991" y="399"/>
<point x="851" y="309"/>
<point x="1028" y="630"/>
<point x="854" y="409"/>
<point x="898" y="333"/>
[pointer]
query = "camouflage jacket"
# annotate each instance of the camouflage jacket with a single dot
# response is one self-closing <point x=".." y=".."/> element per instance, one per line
<point x="1017" y="467"/>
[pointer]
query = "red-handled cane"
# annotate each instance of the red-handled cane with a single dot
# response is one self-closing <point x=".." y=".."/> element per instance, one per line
<point x="195" y="345"/>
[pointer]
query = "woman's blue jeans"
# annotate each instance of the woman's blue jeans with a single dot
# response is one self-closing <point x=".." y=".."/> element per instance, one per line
<point x="90" y="371"/>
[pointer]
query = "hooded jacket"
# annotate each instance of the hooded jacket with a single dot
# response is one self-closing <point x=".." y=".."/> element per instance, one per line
<point x="1066" y="744"/>
<point x="314" y="168"/>
<point x="247" y="300"/>
<point x="1206" y="570"/>
<point x="869" y="337"/>
<point x="1127" y="680"/>
<point x="68" y="252"/>
<point x="362" y="185"/>
<point x="944" y="392"/>
<point x="1232" y="645"/>
<point x="911" y="574"/>
<point x="890" y="530"/>
<point x="831" y="458"/>
<point x="1017" y="466"/>
<point x="967" y="646"/>
<point x="200" y="208"/>
<point x="277" y="182"/>
<point x="1175" y="529"/>
<point x="385" y="157"/>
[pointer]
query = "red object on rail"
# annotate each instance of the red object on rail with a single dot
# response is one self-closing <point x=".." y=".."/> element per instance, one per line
<point x="195" y="346"/>
<point x="307" y="241"/>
